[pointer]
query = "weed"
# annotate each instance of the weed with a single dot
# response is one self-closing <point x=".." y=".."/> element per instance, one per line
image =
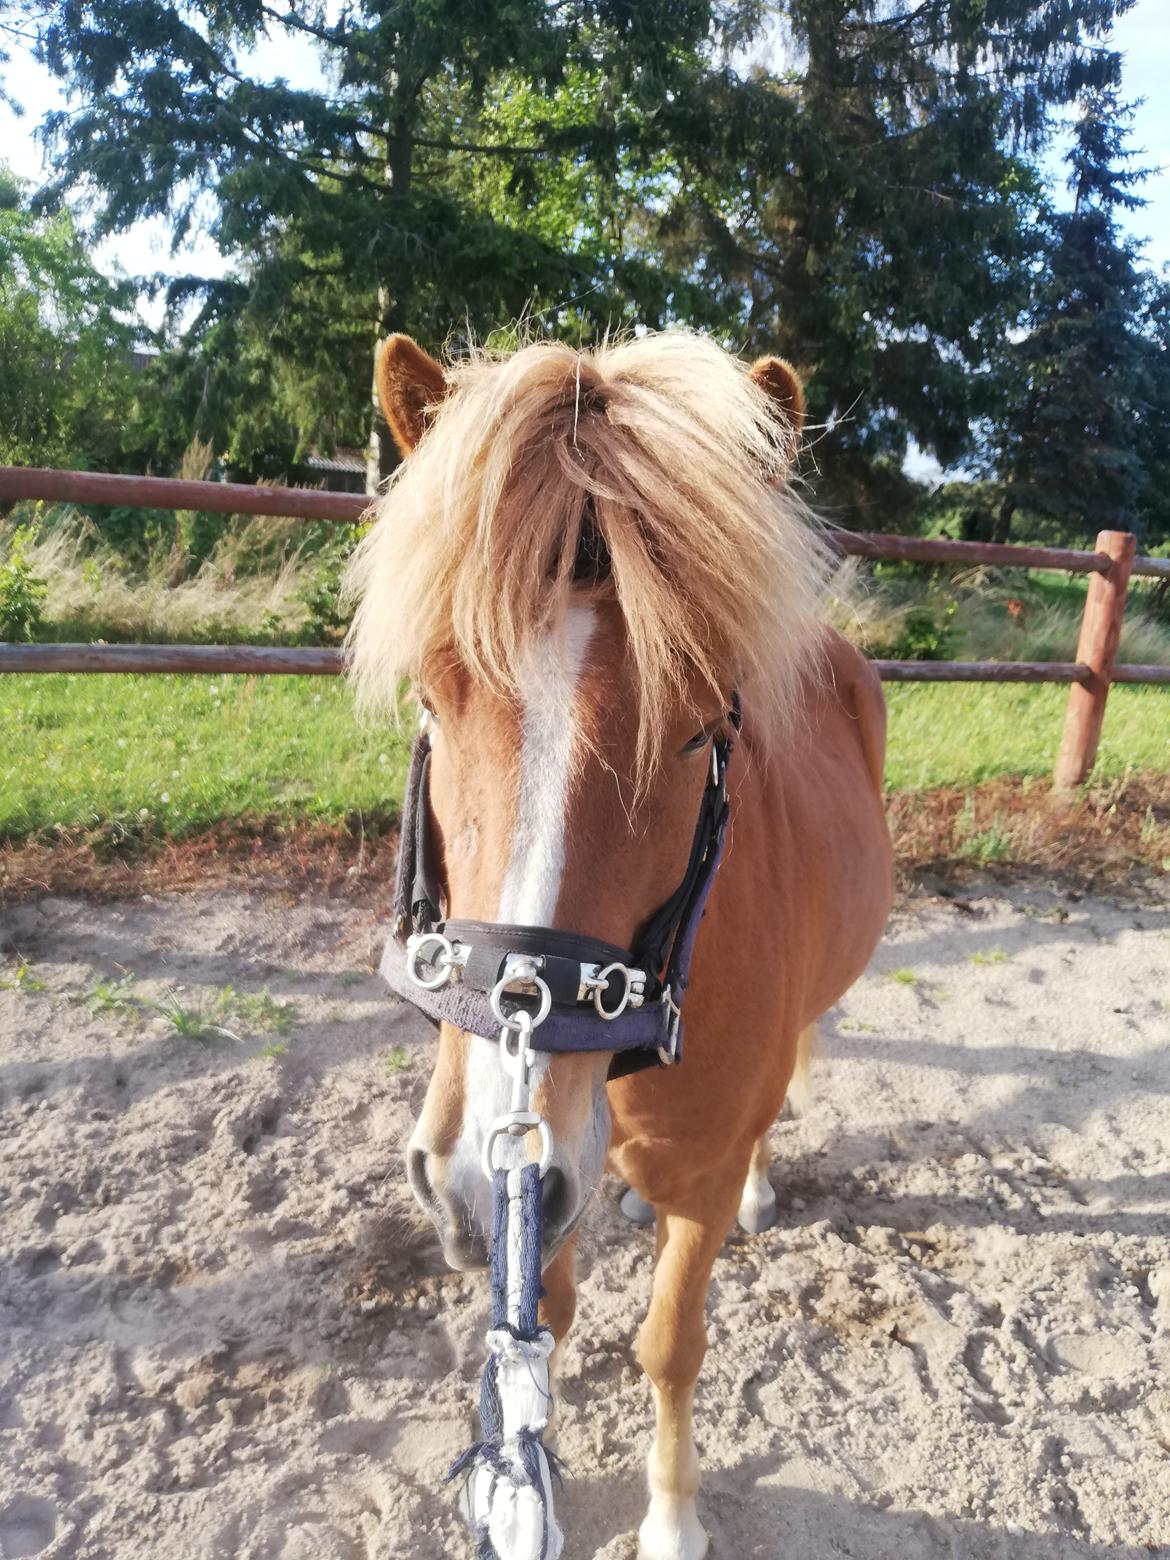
<point x="990" y="844"/>
<point x="989" y="956"/>
<point x="265" y="1012"/>
<point x="399" y="1059"/>
<point x="258" y="1010"/>
<point x="112" y="996"/>
<point x="904" y="977"/>
<point x="192" y="1023"/>
<point x="23" y="980"/>
<point x="274" y="1048"/>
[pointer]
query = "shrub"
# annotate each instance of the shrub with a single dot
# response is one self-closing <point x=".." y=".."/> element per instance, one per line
<point x="22" y="591"/>
<point x="328" y="617"/>
<point x="924" y="631"/>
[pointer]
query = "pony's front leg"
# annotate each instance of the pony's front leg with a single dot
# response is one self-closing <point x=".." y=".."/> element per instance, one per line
<point x="557" y="1309"/>
<point x="671" y="1346"/>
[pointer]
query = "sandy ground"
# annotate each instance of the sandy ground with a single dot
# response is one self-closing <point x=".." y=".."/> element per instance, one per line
<point x="223" y="1332"/>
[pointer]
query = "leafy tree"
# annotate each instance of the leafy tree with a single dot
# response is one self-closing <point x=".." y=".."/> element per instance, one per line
<point x="1071" y="451"/>
<point x="66" y="332"/>
<point x="365" y="206"/>
<point x="859" y="198"/>
<point x="872" y="204"/>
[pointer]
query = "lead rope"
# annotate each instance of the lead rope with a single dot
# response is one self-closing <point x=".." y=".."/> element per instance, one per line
<point x="507" y="1492"/>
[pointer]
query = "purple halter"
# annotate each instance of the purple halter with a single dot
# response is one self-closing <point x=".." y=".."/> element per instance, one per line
<point x="593" y="995"/>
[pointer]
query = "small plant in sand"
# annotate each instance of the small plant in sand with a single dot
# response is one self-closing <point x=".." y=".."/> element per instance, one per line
<point x="112" y="996"/>
<point x="192" y="1023"/>
<point x="258" y="1010"/>
<point x="274" y="1049"/>
<point x="399" y="1059"/>
<point x="989" y="956"/>
<point x="904" y="977"/>
<point x="22" y="979"/>
<point x="992" y="844"/>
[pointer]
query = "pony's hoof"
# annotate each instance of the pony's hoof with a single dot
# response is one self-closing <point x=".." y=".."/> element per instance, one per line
<point x="757" y="1213"/>
<point x="671" y="1531"/>
<point x="636" y="1208"/>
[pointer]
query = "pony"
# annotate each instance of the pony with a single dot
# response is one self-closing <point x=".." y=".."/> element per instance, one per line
<point x="584" y="557"/>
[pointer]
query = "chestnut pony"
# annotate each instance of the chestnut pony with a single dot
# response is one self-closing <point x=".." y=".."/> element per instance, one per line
<point x="582" y="557"/>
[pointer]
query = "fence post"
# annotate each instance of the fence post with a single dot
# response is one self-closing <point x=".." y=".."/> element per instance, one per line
<point x="1097" y="649"/>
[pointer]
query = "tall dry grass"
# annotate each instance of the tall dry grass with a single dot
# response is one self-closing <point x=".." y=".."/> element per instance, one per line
<point x="93" y="594"/>
<point x="983" y="615"/>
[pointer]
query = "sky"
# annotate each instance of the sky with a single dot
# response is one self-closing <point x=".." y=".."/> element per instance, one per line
<point x="1143" y="34"/>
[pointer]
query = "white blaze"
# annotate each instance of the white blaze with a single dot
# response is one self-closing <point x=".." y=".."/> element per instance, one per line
<point x="532" y="881"/>
<point x="549" y="681"/>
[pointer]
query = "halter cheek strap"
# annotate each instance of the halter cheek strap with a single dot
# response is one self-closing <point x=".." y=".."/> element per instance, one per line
<point x="593" y="996"/>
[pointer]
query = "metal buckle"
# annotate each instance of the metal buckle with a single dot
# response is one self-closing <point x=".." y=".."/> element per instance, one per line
<point x="668" y="1053"/>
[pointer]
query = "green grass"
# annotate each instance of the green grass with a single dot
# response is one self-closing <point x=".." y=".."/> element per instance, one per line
<point x="170" y="755"/>
<point x="173" y="754"/>
<point x="965" y="732"/>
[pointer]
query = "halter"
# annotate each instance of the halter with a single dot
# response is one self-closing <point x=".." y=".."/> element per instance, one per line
<point x="535" y="988"/>
<point x="581" y="994"/>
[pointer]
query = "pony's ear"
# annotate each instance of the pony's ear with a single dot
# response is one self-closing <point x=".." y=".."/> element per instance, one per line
<point x="779" y="380"/>
<point x="410" y="385"/>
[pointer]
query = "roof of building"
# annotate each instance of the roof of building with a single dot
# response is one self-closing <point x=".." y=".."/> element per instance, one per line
<point x="342" y="460"/>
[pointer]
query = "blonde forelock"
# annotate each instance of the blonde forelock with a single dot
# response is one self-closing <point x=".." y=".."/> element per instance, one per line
<point x="663" y="443"/>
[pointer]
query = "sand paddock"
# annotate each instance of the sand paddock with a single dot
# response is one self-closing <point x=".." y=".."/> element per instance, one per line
<point x="225" y="1332"/>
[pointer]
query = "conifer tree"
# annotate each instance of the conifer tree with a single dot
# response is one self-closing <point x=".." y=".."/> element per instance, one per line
<point x="1070" y="454"/>
<point x="868" y="192"/>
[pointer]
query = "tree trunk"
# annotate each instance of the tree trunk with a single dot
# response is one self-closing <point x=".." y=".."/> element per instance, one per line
<point x="381" y="455"/>
<point x="1002" y="524"/>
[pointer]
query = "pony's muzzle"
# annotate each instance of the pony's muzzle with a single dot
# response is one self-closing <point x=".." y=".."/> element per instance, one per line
<point x="462" y="1221"/>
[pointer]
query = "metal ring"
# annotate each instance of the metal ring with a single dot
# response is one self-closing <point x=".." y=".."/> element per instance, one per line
<point x="442" y="961"/>
<point x="505" y="984"/>
<point x="601" y="981"/>
<point x="503" y="1126"/>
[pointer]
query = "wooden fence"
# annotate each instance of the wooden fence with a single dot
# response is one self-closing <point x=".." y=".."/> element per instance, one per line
<point x="1089" y="676"/>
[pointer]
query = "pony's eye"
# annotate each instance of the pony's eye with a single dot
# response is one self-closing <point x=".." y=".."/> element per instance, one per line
<point x="697" y="742"/>
<point x="428" y="716"/>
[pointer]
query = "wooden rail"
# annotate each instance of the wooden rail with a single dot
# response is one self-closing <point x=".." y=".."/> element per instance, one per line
<point x="292" y="661"/>
<point x="289" y="660"/>
<point x="1089" y="677"/>
<point x="241" y="498"/>
<point x="983" y="671"/>
<point x="216" y="498"/>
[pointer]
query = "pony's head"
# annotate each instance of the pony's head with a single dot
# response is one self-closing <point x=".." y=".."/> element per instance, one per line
<point x="581" y="557"/>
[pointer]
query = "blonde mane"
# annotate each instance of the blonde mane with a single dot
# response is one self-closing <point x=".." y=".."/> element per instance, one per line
<point x="677" y="458"/>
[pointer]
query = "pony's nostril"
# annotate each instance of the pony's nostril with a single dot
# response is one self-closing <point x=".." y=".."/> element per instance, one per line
<point x="420" y="1181"/>
<point x="554" y="1192"/>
